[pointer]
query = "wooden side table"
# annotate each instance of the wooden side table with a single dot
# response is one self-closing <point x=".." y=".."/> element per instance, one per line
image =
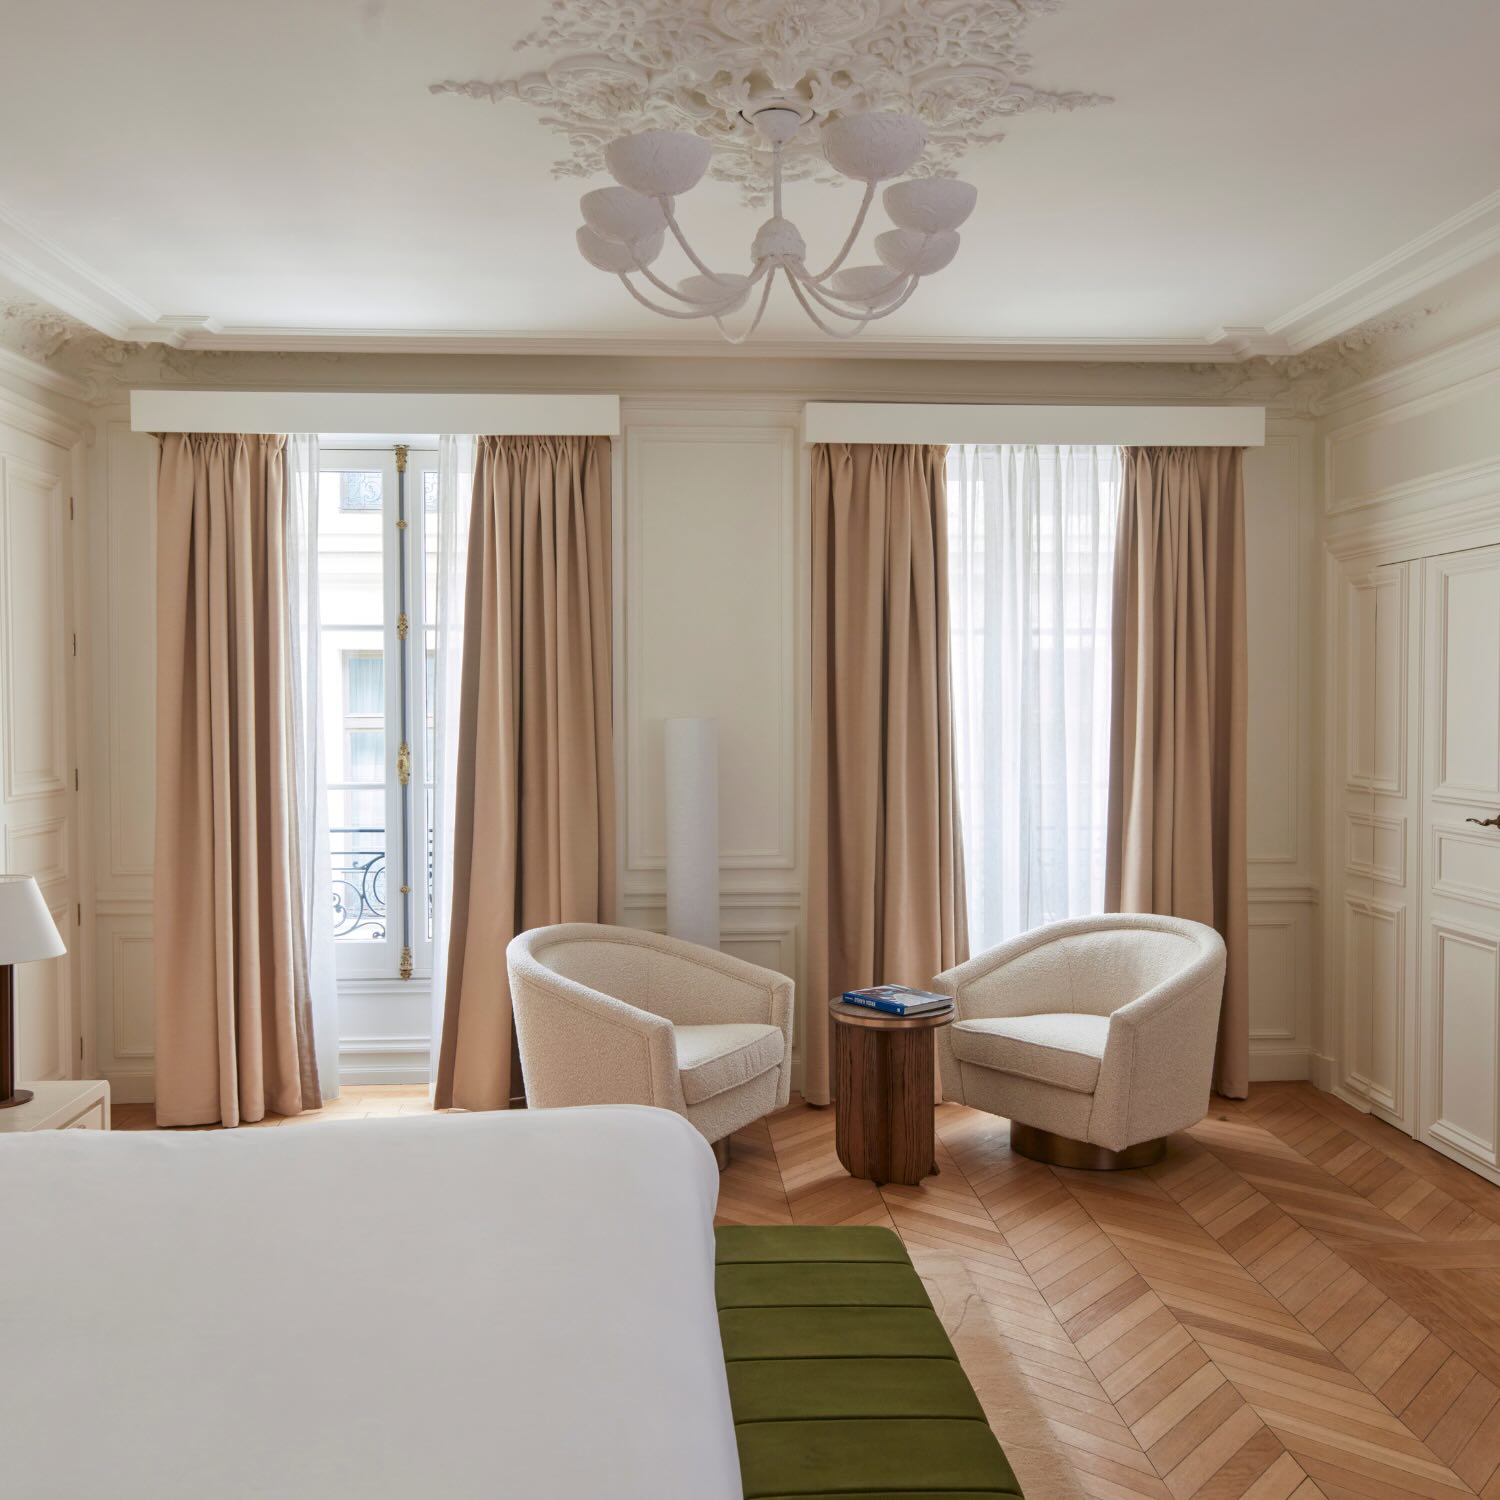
<point x="884" y="1095"/>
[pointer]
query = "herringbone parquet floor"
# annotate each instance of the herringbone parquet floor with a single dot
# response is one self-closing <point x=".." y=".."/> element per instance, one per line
<point x="1298" y="1302"/>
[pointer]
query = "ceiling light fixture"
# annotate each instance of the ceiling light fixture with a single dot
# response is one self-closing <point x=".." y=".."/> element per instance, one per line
<point x="625" y="228"/>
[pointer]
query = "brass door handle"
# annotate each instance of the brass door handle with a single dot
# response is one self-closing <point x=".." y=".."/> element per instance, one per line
<point x="1485" y="822"/>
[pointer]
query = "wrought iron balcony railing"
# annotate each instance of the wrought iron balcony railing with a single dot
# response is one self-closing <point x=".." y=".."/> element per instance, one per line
<point x="358" y="860"/>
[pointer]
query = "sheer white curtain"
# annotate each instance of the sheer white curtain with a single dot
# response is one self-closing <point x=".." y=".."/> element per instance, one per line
<point x="446" y="614"/>
<point x="308" y="754"/>
<point x="1031" y="542"/>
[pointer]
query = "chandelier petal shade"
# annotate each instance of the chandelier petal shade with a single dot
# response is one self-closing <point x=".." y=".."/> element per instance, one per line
<point x="625" y="227"/>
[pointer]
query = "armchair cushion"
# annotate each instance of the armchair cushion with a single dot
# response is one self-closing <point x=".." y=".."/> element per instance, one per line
<point x="714" y="1059"/>
<point x="1064" y="1050"/>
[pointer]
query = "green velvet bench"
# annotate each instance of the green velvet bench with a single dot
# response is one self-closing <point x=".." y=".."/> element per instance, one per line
<point x="841" y="1377"/>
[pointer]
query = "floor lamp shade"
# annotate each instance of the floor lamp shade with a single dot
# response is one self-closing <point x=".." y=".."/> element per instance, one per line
<point x="692" y="781"/>
<point x="27" y="932"/>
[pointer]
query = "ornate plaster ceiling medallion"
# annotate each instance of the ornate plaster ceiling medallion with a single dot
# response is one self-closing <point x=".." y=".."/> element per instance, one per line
<point x="703" y="66"/>
<point x="757" y="92"/>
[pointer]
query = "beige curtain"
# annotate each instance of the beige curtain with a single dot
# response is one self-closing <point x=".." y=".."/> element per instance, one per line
<point x="233" y="1016"/>
<point x="1177" y="746"/>
<point x="534" y="817"/>
<point x="885" y="901"/>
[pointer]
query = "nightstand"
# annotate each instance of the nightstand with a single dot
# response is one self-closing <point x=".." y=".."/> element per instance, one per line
<point x="66" y="1104"/>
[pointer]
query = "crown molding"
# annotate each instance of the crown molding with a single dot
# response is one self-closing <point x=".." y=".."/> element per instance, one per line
<point x="1447" y="250"/>
<point x="1215" y="347"/>
<point x="30" y="372"/>
<point x="48" y="271"/>
<point x="75" y="288"/>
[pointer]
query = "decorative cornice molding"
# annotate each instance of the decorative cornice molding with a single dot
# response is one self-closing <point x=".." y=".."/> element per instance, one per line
<point x="1459" y="243"/>
<point x="697" y="64"/>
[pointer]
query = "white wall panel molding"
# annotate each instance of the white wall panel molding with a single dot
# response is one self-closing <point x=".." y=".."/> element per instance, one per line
<point x="125" y="533"/>
<point x="1375" y="847"/>
<point x="34" y="594"/>
<point x="1284" y="895"/>
<point x="1376" y="1002"/>
<point x="43" y="849"/>
<point x="1278" y="541"/>
<point x="1466" y="864"/>
<point x="711" y="630"/>
<point x="1377" y="682"/>
<point x="1442" y="446"/>
<point x="1464" y="1068"/>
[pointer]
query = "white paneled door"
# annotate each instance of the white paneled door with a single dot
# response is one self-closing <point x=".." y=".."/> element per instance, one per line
<point x="1459" y="1017"/>
<point x="1377" y="756"/>
<point x="37" y="793"/>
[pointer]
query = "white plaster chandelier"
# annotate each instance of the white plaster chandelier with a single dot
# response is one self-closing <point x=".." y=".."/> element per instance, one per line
<point x="742" y="90"/>
<point x="625" y="227"/>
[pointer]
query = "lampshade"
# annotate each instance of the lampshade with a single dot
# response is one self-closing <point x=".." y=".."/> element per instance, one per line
<point x="871" y="286"/>
<point x="916" y="254"/>
<point x="27" y="931"/>
<point x="929" y="204"/>
<point x="622" y="215"/>
<point x="712" y="290"/>
<point x="610" y="255"/>
<point x="658" y="163"/>
<point x="871" y="147"/>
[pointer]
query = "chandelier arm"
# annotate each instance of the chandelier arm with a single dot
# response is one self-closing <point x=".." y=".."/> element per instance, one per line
<point x="811" y="311"/>
<point x="666" y="312"/>
<point x="760" y="312"/>
<point x="681" y="239"/>
<point x="899" y="303"/>
<point x="671" y="291"/>
<point x="848" y="245"/>
<point x="827" y="301"/>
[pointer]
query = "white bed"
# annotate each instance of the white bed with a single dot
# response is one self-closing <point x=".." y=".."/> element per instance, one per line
<point x="435" y="1309"/>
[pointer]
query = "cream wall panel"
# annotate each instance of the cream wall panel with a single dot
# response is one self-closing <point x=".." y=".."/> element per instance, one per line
<point x="1439" y="446"/>
<point x="125" y="543"/>
<point x="710" y="625"/>
<point x="34" y="597"/>
<point x="1282" y="614"/>
<point x="1465" y="1003"/>
<point x="1274" y="609"/>
<point x="38" y="795"/>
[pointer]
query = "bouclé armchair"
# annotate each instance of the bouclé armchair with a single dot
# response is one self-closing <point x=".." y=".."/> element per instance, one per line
<point x="615" y="1015"/>
<point x="1094" y="1037"/>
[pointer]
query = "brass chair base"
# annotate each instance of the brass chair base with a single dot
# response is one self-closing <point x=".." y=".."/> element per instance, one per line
<point x="721" y="1152"/>
<point x="1061" y="1151"/>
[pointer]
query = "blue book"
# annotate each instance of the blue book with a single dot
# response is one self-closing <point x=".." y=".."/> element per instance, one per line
<point x="898" y="1000"/>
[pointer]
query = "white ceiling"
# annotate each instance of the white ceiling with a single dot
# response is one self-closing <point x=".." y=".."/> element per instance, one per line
<point x="1270" y="173"/>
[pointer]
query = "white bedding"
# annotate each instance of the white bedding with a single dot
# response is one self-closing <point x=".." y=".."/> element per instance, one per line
<point x="432" y="1309"/>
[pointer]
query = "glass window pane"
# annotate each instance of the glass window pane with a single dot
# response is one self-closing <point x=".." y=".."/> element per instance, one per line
<point x="359" y="490"/>
<point x="366" y="754"/>
<point x="364" y="683"/>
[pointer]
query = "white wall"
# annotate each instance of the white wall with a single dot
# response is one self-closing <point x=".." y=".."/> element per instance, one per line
<point x="711" y="619"/>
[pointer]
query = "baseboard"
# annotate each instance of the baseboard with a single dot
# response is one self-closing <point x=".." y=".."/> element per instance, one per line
<point x="384" y="1059"/>
<point x="1321" y="1073"/>
<point x="131" y="1088"/>
<point x="1278" y="1064"/>
<point x="363" y="1075"/>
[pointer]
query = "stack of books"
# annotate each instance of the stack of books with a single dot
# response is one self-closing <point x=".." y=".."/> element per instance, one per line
<point x="898" y="1000"/>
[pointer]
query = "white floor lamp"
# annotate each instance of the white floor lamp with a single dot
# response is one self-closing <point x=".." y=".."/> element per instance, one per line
<point x="692" y="783"/>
